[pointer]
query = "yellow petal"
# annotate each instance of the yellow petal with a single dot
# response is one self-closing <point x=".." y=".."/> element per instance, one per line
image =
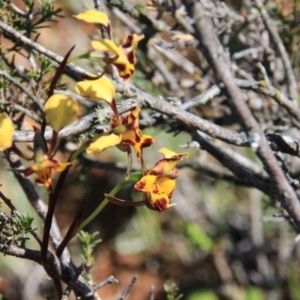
<point x="165" y="185"/>
<point x="6" y="132"/>
<point x="133" y="135"/>
<point x="61" y="110"/>
<point x="93" y="16"/>
<point x="99" y="89"/>
<point x="170" y="154"/>
<point x="160" y="202"/>
<point x="117" y="58"/>
<point x="145" y="141"/>
<point x="103" y="142"/>
<point x="145" y="184"/>
<point x="107" y="45"/>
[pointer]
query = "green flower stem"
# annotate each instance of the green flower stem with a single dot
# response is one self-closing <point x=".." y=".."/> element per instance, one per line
<point x="75" y="58"/>
<point x="135" y="176"/>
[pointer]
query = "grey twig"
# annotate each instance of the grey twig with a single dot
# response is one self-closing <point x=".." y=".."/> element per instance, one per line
<point x="292" y="84"/>
<point x="152" y="293"/>
<point x="23" y="89"/>
<point x="109" y="280"/>
<point x="241" y="173"/>
<point x="167" y="75"/>
<point x="264" y="88"/>
<point x="72" y="70"/>
<point x="21" y="109"/>
<point x="15" y="212"/>
<point x="129" y="288"/>
<point x="80" y="287"/>
<point x="215" y="57"/>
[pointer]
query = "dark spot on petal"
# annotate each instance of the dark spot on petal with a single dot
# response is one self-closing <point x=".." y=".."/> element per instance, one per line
<point x="161" y="204"/>
<point x="139" y="185"/>
<point x="128" y="42"/>
<point x="130" y="57"/>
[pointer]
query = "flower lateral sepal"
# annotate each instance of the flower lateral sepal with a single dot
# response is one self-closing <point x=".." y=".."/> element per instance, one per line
<point x="121" y="202"/>
<point x="105" y="141"/>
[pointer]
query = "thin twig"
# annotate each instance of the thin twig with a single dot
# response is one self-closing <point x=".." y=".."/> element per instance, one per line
<point x="214" y="54"/>
<point x="22" y="109"/>
<point x="23" y="89"/>
<point x="291" y="80"/>
<point x="15" y="212"/>
<point x="152" y="293"/>
<point x="71" y="70"/>
<point x="129" y="288"/>
<point x="110" y="280"/>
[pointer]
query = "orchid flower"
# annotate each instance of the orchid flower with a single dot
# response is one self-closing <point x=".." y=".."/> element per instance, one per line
<point x="123" y="56"/>
<point x="125" y="133"/>
<point x="159" y="183"/>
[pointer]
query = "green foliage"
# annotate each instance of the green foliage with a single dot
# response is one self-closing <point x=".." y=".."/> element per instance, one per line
<point x="89" y="242"/>
<point x="198" y="237"/>
<point x="16" y="228"/>
<point x="172" y="291"/>
<point x="203" y="295"/>
<point x="254" y="293"/>
<point x="293" y="281"/>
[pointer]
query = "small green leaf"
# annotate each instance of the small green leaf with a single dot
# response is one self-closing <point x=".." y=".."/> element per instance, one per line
<point x="198" y="237"/>
<point x="254" y="293"/>
<point x="203" y="295"/>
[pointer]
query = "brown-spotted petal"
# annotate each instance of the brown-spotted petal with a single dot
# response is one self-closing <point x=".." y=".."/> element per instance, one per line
<point x="145" y="184"/>
<point x="130" y="46"/>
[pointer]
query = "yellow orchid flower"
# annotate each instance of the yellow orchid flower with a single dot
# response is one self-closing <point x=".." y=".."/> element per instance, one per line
<point x="123" y="57"/>
<point x="125" y="133"/>
<point x="43" y="167"/>
<point x="99" y="89"/>
<point x="159" y="183"/>
<point x="133" y="136"/>
<point x="93" y="16"/>
<point x="61" y="111"/>
<point x="6" y="132"/>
